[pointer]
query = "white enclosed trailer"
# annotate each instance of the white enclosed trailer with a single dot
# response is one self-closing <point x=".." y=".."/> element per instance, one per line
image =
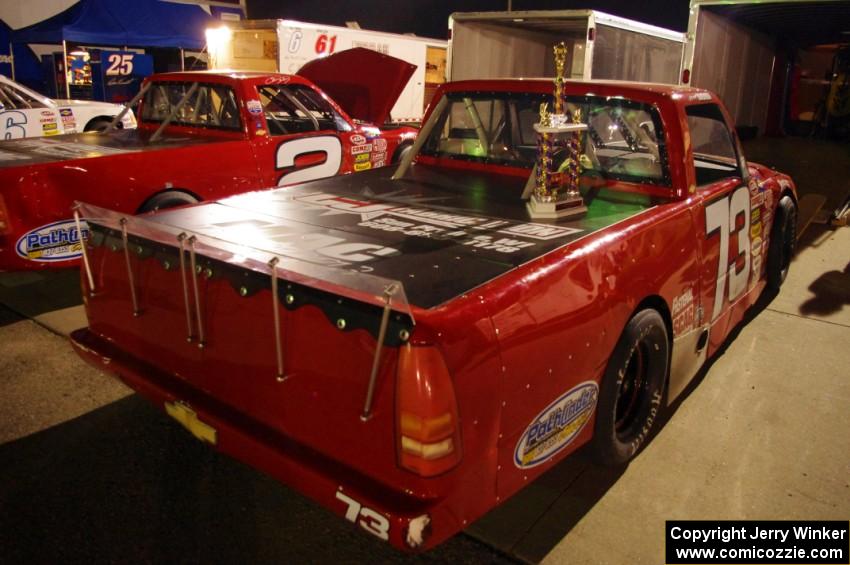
<point x="600" y="46"/>
<point x="285" y="46"/>
<point x="731" y="49"/>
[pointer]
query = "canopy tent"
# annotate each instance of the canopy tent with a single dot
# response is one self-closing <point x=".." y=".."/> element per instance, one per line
<point x="142" y="23"/>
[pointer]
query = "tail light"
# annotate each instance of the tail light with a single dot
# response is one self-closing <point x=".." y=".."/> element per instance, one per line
<point x="426" y="412"/>
<point x="5" y="226"/>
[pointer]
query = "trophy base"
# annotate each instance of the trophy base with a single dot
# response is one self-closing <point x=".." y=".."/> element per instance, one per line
<point x="564" y="207"/>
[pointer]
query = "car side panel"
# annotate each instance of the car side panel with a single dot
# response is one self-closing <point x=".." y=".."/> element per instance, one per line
<point x="558" y="329"/>
<point x="45" y="193"/>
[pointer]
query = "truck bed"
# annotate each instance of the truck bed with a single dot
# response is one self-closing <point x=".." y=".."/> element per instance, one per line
<point x="14" y="153"/>
<point x="439" y="243"/>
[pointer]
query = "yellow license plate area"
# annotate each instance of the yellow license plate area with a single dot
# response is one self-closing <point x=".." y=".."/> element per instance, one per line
<point x="189" y="420"/>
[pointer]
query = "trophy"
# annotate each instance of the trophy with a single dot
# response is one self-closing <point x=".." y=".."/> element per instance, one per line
<point x="556" y="192"/>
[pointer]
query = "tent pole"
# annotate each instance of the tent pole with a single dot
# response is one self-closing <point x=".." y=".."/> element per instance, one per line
<point x="65" y="68"/>
<point x="182" y="60"/>
<point x="12" y="58"/>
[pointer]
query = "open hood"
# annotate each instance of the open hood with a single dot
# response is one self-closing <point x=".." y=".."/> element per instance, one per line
<point x="365" y="83"/>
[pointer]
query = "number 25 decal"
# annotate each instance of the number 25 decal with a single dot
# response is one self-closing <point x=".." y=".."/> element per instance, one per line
<point x="723" y="216"/>
<point x="369" y="520"/>
<point x="289" y="150"/>
<point x="120" y="65"/>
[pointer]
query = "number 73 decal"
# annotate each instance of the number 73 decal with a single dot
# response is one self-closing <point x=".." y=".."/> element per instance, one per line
<point x="730" y="216"/>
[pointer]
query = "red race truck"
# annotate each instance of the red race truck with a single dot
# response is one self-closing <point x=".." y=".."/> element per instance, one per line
<point x="408" y="346"/>
<point x="201" y="135"/>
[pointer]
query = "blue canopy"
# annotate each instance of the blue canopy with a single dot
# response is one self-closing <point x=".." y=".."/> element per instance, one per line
<point x="139" y="23"/>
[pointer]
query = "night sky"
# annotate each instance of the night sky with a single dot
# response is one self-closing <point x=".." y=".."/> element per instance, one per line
<point x="429" y="18"/>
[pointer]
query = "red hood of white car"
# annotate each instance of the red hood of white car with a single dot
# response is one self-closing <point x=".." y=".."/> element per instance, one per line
<point x="365" y="83"/>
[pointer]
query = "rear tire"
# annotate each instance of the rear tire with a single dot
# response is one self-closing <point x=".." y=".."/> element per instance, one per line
<point x="632" y="390"/>
<point x="169" y="199"/>
<point x="783" y="240"/>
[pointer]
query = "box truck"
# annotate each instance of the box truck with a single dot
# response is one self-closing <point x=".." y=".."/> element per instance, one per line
<point x="600" y="46"/>
<point x="285" y="46"/>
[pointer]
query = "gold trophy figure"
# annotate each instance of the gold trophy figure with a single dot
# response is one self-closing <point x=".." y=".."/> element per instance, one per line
<point x="560" y="59"/>
<point x="557" y="130"/>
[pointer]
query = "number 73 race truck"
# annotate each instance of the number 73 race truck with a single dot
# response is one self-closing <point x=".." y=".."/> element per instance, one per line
<point x="411" y="346"/>
<point x="200" y="136"/>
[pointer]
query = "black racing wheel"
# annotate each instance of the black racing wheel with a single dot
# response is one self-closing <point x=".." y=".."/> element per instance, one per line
<point x="632" y="390"/>
<point x="783" y="240"/>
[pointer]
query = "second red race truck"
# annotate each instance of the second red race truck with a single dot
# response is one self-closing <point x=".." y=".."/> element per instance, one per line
<point x="411" y="346"/>
<point x="200" y="136"/>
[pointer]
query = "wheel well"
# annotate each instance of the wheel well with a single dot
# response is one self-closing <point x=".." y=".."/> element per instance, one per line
<point x="399" y="149"/>
<point x="164" y="191"/>
<point x="102" y="118"/>
<point x="659" y="305"/>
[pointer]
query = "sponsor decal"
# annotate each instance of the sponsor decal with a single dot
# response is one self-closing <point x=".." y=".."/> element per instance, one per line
<point x="380" y="144"/>
<point x="357" y="139"/>
<point x="58" y="241"/>
<point x="753" y="186"/>
<point x="556" y="426"/>
<point x="757" y="200"/>
<point x="277" y="79"/>
<point x="357" y="149"/>
<point x="47" y="113"/>
<point x="254" y="106"/>
<point x="683" y="312"/>
<point x="474" y="231"/>
<point x="380" y="156"/>
<point x="50" y="129"/>
<point x="362" y="166"/>
<point x="50" y="120"/>
<point x="361" y="158"/>
<point x="64" y="112"/>
<point x="379" y="164"/>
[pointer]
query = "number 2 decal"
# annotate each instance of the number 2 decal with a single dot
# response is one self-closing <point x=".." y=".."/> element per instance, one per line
<point x="723" y="216"/>
<point x="289" y="150"/>
<point x="369" y="520"/>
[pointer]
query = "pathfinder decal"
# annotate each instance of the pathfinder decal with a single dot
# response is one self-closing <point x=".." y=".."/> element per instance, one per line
<point x="556" y="426"/>
<point x="58" y="241"/>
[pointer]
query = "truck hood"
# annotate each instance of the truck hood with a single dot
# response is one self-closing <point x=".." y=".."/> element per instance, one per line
<point x="365" y="83"/>
<point x="431" y="232"/>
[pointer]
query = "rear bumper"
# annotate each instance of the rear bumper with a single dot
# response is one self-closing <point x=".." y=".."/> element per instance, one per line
<point x="360" y="499"/>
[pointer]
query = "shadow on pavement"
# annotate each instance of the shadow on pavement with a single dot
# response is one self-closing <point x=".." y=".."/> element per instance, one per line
<point x="125" y="484"/>
<point x="33" y="293"/>
<point x="831" y="293"/>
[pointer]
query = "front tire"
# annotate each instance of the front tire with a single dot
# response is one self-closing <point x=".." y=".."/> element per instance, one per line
<point x="783" y="240"/>
<point x="632" y="390"/>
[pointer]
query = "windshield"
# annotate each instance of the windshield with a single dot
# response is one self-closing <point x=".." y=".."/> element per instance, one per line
<point x="624" y="139"/>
